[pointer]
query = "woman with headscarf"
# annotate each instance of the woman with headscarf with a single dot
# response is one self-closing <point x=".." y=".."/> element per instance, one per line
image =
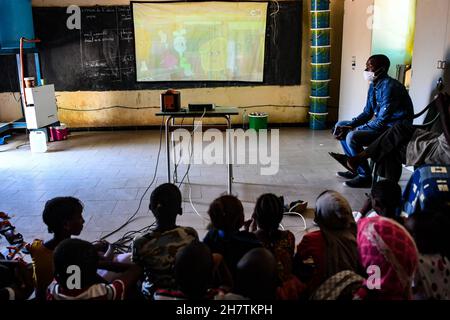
<point x="322" y="254"/>
<point x="389" y="251"/>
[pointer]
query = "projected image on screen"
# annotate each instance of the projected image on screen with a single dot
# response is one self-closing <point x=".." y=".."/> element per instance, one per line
<point x="200" y="41"/>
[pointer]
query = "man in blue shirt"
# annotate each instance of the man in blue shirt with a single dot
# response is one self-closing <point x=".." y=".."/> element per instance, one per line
<point x="388" y="102"/>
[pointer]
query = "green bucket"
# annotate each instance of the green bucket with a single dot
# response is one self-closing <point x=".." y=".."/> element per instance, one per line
<point x="318" y="121"/>
<point x="320" y="71"/>
<point x="318" y="104"/>
<point x="258" y="120"/>
<point x="320" y="37"/>
<point x="320" y="54"/>
<point x="320" y="19"/>
<point x="320" y="5"/>
<point x="320" y="88"/>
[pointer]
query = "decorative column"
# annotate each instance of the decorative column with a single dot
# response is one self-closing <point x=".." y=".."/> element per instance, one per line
<point x="320" y="64"/>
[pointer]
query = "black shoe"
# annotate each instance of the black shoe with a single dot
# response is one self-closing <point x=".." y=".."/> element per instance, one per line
<point x="359" y="182"/>
<point x="342" y="159"/>
<point x="347" y="175"/>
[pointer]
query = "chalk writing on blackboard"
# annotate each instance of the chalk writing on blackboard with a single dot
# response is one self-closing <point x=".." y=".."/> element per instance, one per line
<point x="104" y="46"/>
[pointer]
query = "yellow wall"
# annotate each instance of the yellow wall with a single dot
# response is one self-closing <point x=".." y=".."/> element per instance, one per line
<point x="285" y="104"/>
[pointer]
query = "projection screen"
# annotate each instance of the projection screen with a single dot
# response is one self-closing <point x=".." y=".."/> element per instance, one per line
<point x="200" y="41"/>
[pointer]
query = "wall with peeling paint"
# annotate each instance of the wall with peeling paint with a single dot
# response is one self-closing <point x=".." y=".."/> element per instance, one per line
<point x="285" y="104"/>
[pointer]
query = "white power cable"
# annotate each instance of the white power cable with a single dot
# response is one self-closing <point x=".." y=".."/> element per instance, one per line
<point x="190" y="200"/>
<point x="290" y="212"/>
<point x="192" y="149"/>
<point x="186" y="175"/>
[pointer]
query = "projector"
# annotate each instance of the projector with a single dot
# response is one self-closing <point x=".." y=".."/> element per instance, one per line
<point x="201" y="106"/>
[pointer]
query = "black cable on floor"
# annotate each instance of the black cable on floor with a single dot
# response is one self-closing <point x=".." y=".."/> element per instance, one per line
<point x="146" y="190"/>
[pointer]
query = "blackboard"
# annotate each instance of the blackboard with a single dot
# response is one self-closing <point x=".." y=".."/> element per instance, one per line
<point x="100" y="56"/>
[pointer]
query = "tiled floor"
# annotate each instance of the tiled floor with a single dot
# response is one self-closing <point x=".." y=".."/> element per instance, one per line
<point x="110" y="171"/>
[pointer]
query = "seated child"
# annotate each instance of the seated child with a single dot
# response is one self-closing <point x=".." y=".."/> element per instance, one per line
<point x="267" y="215"/>
<point x="385" y="244"/>
<point x="323" y="253"/>
<point x="84" y="283"/>
<point x="194" y="272"/>
<point x="430" y="230"/>
<point x="256" y="277"/>
<point x="227" y="217"/>
<point x="16" y="281"/>
<point x="155" y="251"/>
<point x="63" y="217"/>
<point x="384" y="199"/>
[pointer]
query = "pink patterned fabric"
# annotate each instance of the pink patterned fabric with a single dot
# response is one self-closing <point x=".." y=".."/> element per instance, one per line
<point x="384" y="243"/>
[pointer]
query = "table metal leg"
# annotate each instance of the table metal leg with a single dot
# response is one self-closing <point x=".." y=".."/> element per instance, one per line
<point x="167" y="127"/>
<point x="230" y="154"/>
<point x="175" y="171"/>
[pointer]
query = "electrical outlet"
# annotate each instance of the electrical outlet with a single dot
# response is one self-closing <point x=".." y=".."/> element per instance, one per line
<point x="442" y="64"/>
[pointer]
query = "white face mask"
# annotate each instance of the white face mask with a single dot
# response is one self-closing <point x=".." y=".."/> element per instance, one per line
<point x="369" y="76"/>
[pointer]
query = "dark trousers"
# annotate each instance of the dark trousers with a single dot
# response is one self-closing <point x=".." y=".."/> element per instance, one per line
<point x="389" y="150"/>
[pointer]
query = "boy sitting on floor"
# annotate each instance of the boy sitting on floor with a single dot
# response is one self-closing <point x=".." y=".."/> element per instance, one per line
<point x="76" y="262"/>
<point x="194" y="272"/>
<point x="155" y="251"/>
<point x="16" y="282"/>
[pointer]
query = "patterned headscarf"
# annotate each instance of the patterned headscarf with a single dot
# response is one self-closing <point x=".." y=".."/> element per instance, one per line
<point x="384" y="243"/>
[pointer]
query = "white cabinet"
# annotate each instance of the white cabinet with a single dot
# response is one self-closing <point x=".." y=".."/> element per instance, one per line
<point x="41" y="108"/>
